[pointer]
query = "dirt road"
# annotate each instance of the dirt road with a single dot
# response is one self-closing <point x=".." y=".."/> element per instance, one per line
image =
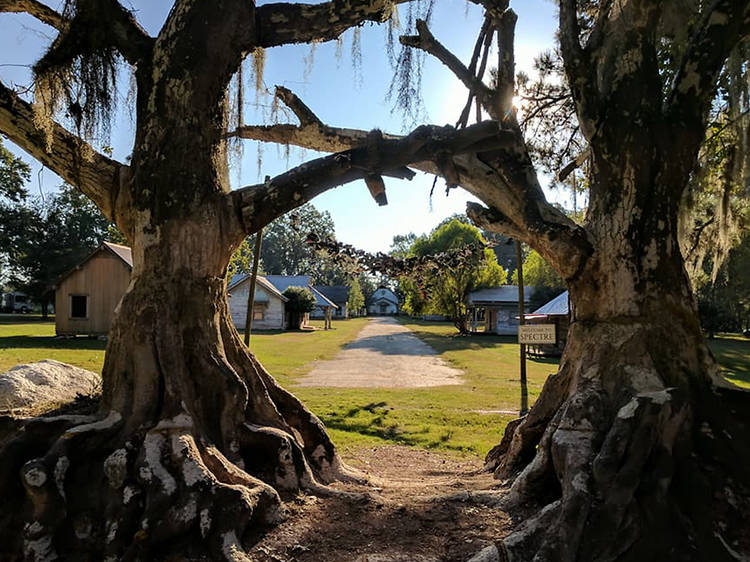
<point x="384" y="354"/>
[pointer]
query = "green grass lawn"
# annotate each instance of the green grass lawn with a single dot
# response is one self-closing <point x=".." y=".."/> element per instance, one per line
<point x="461" y="418"/>
<point x="466" y="419"/>
<point x="732" y="351"/>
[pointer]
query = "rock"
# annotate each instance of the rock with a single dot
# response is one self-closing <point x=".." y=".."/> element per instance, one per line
<point x="489" y="554"/>
<point x="43" y="384"/>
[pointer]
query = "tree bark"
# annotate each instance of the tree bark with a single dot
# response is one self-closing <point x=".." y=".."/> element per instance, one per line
<point x="634" y="449"/>
<point x="194" y="441"/>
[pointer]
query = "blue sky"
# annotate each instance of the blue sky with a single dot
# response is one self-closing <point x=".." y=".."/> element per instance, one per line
<point x="340" y="94"/>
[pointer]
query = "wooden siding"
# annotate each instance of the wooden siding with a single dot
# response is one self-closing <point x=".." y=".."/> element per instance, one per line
<point x="104" y="278"/>
<point x="273" y="308"/>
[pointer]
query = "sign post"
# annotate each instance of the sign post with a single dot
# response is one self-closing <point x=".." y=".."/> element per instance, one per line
<point x="521" y="321"/>
<point x="251" y="295"/>
<point x="536" y="334"/>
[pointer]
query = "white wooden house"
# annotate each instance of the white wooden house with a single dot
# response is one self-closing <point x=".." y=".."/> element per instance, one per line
<point x="338" y="295"/>
<point x="322" y="304"/>
<point x="268" y="308"/>
<point x="382" y="302"/>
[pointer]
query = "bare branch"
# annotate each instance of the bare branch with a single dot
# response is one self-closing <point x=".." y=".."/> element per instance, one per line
<point x="723" y="25"/>
<point x="303" y="113"/>
<point x="503" y="179"/>
<point x="284" y="23"/>
<point x="566" y="170"/>
<point x="260" y="204"/>
<point x="34" y="8"/>
<point x="506" y="72"/>
<point x="97" y="176"/>
<point x="427" y="42"/>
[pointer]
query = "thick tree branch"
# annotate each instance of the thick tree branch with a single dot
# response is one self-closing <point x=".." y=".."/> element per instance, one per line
<point x="506" y="71"/>
<point x="260" y="204"/>
<point x="426" y="41"/>
<point x="723" y="25"/>
<point x="97" y="176"/>
<point x="312" y="133"/>
<point x="34" y="8"/>
<point x="129" y="38"/>
<point x="298" y="107"/>
<point x="509" y="192"/>
<point x="493" y="220"/>
<point x="283" y="23"/>
<point x="570" y="32"/>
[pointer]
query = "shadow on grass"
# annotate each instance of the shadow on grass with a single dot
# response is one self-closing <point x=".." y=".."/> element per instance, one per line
<point x="48" y="342"/>
<point x="458" y="342"/>
<point x="372" y="421"/>
<point x="25" y="318"/>
<point x="734" y="357"/>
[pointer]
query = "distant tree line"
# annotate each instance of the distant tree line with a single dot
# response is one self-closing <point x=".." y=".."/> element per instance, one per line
<point x="43" y="236"/>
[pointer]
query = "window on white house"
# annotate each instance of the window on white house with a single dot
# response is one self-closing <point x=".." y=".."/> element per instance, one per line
<point x="258" y="312"/>
<point x="79" y="306"/>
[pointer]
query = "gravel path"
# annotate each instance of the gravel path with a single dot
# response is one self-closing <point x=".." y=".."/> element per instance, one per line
<point x="384" y="354"/>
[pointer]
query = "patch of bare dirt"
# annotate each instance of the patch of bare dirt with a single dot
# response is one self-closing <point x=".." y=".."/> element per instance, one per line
<point x="410" y="518"/>
<point x="384" y="354"/>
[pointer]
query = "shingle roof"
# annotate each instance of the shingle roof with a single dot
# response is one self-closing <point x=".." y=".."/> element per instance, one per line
<point x="557" y="306"/>
<point x="335" y="293"/>
<point x="283" y="282"/>
<point x="240" y="278"/>
<point x="499" y="295"/>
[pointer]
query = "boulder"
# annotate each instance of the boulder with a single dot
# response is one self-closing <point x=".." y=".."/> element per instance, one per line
<point x="47" y="383"/>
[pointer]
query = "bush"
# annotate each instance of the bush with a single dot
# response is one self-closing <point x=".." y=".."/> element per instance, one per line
<point x="301" y="300"/>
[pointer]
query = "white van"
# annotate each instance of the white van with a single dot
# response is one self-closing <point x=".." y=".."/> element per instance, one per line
<point x="16" y="302"/>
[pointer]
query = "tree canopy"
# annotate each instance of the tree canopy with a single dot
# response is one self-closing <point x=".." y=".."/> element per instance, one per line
<point x="446" y="290"/>
<point x="41" y="238"/>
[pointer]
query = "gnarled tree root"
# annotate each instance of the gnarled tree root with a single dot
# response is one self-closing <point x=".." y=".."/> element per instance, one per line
<point x="664" y="478"/>
<point x="75" y="488"/>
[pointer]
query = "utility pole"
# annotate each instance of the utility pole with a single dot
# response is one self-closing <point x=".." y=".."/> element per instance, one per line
<point x="521" y="321"/>
<point x="251" y="295"/>
<point x="575" y="194"/>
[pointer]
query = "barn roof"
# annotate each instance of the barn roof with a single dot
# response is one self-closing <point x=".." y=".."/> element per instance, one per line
<point x="335" y="293"/>
<point x="283" y="282"/>
<point x="557" y="306"/>
<point x="241" y="278"/>
<point x="120" y="251"/>
<point x="505" y="294"/>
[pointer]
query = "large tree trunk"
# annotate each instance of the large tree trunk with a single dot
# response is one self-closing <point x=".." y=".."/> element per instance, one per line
<point x="636" y="449"/>
<point x="194" y="441"/>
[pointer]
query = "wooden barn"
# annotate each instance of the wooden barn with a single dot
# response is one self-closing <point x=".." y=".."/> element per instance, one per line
<point x="86" y="296"/>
